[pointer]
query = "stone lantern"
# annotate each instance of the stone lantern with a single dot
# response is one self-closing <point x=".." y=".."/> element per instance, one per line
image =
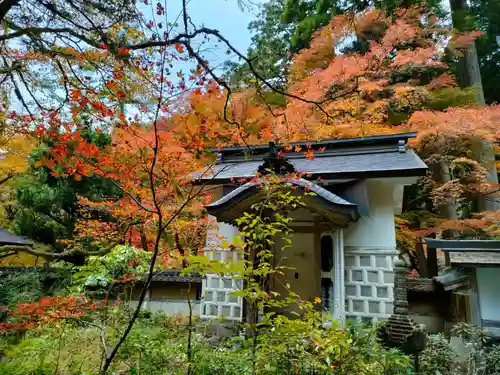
<point x="401" y="331"/>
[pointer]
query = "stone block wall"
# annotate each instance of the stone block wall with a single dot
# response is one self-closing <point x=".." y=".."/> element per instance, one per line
<point x="369" y="284"/>
<point x="216" y="299"/>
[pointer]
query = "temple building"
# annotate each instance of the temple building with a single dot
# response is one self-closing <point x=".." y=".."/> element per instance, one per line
<point x="343" y="241"/>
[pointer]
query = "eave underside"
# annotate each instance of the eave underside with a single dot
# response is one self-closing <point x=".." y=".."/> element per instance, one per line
<point x="319" y="201"/>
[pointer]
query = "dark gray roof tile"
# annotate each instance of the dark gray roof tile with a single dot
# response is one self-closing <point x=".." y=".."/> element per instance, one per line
<point x="7" y="238"/>
<point x="407" y="163"/>
<point x="464" y="245"/>
<point x="308" y="185"/>
<point x="174" y="276"/>
<point x="475" y="259"/>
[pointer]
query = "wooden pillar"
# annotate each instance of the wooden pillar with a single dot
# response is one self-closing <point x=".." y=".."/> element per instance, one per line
<point x="432" y="265"/>
<point x="147" y="299"/>
<point x="475" y="309"/>
<point x="338" y="283"/>
<point x="317" y="255"/>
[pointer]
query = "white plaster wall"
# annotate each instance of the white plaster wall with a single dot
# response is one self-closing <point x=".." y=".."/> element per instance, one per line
<point x="376" y="230"/>
<point x="489" y="295"/>
<point x="171" y="307"/>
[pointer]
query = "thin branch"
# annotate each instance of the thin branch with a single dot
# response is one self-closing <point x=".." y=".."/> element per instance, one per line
<point x="7" y="5"/>
<point x="222" y="83"/>
<point x="161" y="228"/>
<point x="66" y="80"/>
<point x="17" y="92"/>
<point x="37" y="31"/>
<point x="51" y="7"/>
<point x="6" y="178"/>
<point x="16" y="65"/>
<point x="26" y="87"/>
<point x="48" y="254"/>
<point x="178" y="39"/>
<point x="185" y="15"/>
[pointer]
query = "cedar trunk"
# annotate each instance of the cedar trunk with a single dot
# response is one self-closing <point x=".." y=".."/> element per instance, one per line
<point x="469" y="75"/>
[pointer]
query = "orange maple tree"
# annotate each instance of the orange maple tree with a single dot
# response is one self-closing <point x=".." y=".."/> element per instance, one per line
<point x="400" y="83"/>
<point x="48" y="310"/>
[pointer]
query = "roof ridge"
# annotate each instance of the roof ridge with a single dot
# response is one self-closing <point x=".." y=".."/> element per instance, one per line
<point x="374" y="139"/>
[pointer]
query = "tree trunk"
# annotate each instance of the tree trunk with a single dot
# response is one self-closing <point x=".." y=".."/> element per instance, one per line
<point x="484" y="154"/>
<point x="447" y="210"/>
<point x="469" y="75"/>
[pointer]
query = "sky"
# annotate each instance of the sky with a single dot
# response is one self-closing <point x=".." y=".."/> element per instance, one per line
<point x="227" y="17"/>
<point x="224" y="15"/>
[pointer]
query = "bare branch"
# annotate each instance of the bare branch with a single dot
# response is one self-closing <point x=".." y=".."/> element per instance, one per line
<point x="37" y="31"/>
<point x="50" y="254"/>
<point x="6" y="178"/>
<point x="7" y="5"/>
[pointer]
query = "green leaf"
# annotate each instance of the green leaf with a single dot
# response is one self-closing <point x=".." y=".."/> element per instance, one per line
<point x="238" y="293"/>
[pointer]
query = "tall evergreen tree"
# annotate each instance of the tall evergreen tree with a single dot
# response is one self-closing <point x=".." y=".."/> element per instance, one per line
<point x="284" y="27"/>
<point x="46" y="207"/>
<point x="484" y="15"/>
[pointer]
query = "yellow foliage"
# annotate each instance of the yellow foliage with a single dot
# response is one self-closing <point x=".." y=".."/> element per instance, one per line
<point x="22" y="260"/>
<point x="14" y="151"/>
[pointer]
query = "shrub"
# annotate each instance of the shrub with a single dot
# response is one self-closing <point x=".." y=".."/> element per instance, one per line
<point x="492" y="360"/>
<point x="438" y="357"/>
<point x="158" y="345"/>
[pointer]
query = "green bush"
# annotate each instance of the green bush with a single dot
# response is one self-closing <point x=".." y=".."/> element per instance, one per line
<point x="492" y="360"/>
<point x="30" y="285"/>
<point x="438" y="357"/>
<point x="157" y="345"/>
<point x="20" y="287"/>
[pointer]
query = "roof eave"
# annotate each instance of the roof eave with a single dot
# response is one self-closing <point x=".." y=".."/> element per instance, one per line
<point x="417" y="172"/>
<point x="377" y="139"/>
<point x="467" y="246"/>
<point x="327" y="204"/>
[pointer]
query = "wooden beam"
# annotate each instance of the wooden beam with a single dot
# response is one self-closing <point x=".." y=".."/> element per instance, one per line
<point x="303" y="229"/>
<point x="422" y="262"/>
<point x="432" y="266"/>
<point x="460" y="245"/>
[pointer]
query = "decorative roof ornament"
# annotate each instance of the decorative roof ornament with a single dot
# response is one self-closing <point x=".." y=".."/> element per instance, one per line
<point x="401" y="146"/>
<point x="275" y="163"/>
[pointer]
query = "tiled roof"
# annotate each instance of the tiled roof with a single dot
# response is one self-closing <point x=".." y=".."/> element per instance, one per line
<point x="469" y="252"/>
<point x="452" y="279"/>
<point x="330" y="164"/>
<point x="7" y="238"/>
<point x="475" y="258"/>
<point x="325" y="203"/>
<point x="165" y="276"/>
<point x="308" y="185"/>
<point x="464" y="245"/>
<point x="327" y="143"/>
<point x="174" y="276"/>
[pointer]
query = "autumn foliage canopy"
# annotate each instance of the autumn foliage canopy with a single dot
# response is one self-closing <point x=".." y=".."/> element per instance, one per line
<point x="163" y="122"/>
